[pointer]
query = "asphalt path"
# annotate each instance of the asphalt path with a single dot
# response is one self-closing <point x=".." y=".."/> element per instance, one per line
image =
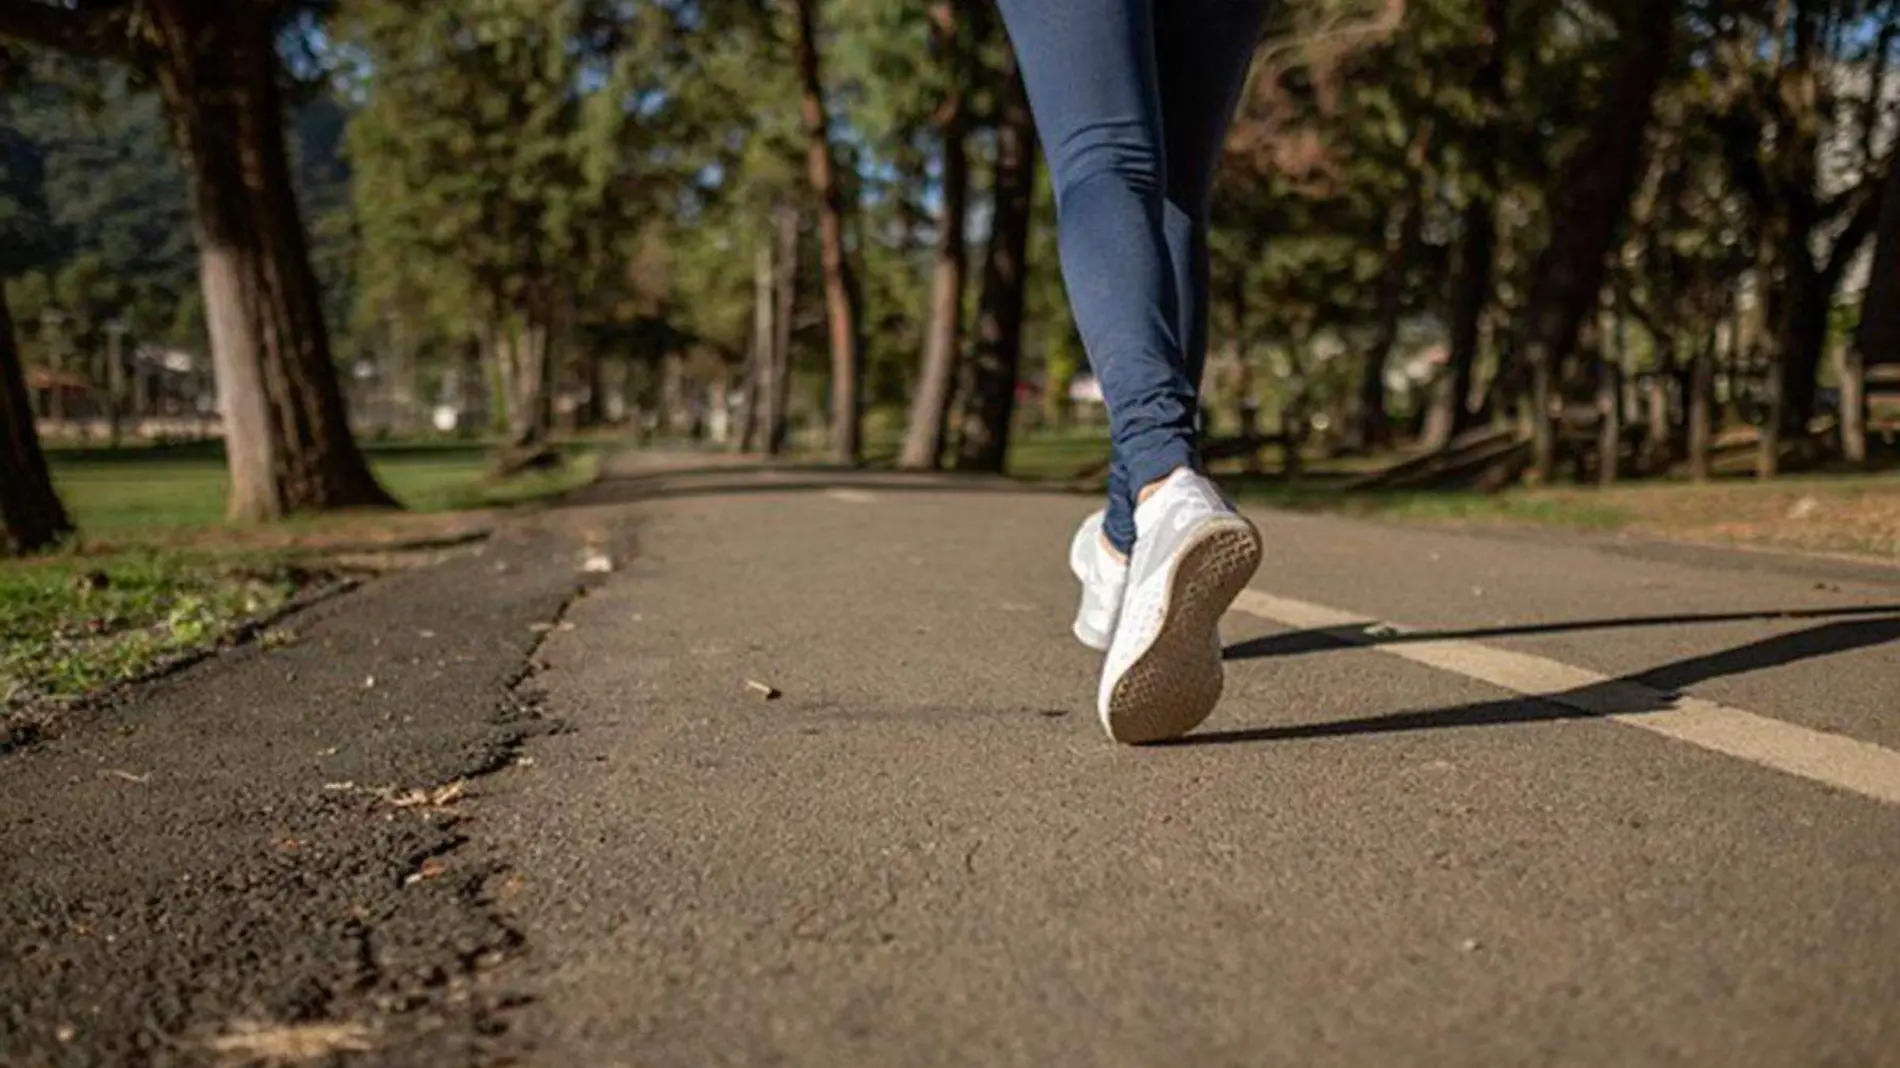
<point x="812" y="777"/>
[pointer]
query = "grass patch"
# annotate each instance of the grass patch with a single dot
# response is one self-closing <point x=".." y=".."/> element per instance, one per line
<point x="72" y="624"/>
<point x="1854" y="513"/>
<point x="1571" y="511"/>
<point x="1057" y="456"/>
<point x="119" y="491"/>
<point x="158" y="573"/>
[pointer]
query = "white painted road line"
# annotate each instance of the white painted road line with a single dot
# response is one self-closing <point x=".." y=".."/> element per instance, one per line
<point x="851" y="496"/>
<point x="1836" y="760"/>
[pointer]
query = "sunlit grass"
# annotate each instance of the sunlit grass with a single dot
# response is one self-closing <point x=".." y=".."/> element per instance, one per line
<point x="156" y="571"/>
<point x="71" y="624"/>
<point x="125" y="490"/>
<point x="1836" y="512"/>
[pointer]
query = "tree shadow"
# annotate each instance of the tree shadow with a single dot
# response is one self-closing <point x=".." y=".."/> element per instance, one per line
<point x="1301" y="642"/>
<point x="747" y="479"/>
<point x="1654" y="690"/>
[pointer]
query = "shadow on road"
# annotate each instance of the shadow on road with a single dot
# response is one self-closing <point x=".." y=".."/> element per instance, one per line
<point x="741" y="479"/>
<point x="1649" y="691"/>
<point x="1300" y="642"/>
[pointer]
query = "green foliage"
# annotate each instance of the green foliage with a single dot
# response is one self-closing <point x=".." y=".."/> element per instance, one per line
<point x="117" y="493"/>
<point x="72" y="625"/>
<point x="93" y="217"/>
<point x="613" y="169"/>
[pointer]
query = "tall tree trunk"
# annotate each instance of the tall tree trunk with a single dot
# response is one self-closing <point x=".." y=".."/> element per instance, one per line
<point x="1877" y="340"/>
<point x="1371" y="427"/>
<point x="719" y="406"/>
<point x="31" y="516"/>
<point x="1659" y="427"/>
<point x="930" y="404"/>
<point x="1701" y="404"/>
<point x="471" y="398"/>
<point x="999" y="330"/>
<point x="675" y="419"/>
<point x="1609" y="418"/>
<point x="521" y="353"/>
<point x="1590" y="198"/>
<point x="841" y="292"/>
<point x="593" y="411"/>
<point x="1800" y="342"/>
<point x="1451" y="413"/>
<point x="1246" y="404"/>
<point x="1787" y="194"/>
<point x="785" y="284"/>
<point x="287" y="434"/>
<point x="115" y="382"/>
<point x="401" y="393"/>
<point x="759" y="384"/>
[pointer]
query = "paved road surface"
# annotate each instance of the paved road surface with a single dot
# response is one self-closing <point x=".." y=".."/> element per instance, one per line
<point x="925" y="853"/>
<point x="1685" y="851"/>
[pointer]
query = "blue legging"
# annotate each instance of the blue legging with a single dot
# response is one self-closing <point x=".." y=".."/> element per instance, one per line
<point x="1132" y="100"/>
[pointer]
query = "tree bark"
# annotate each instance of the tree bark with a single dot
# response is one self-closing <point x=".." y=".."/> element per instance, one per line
<point x="1246" y="404"/>
<point x="1658" y="431"/>
<point x="526" y="370"/>
<point x="31" y="516"/>
<point x="930" y="404"/>
<point x="1609" y="419"/>
<point x="1786" y="193"/>
<point x="1799" y="340"/>
<point x="785" y="284"/>
<point x="1853" y="403"/>
<point x="1800" y="343"/>
<point x="841" y="294"/>
<point x="1451" y="412"/>
<point x="287" y="434"/>
<point x="593" y="376"/>
<point x="1877" y="339"/>
<point x="115" y="384"/>
<point x="999" y="332"/>
<point x="471" y="396"/>
<point x="1588" y="203"/>
<point x="402" y="393"/>
<point x="1371" y="427"/>
<point x="1701" y="403"/>
<point x="719" y="407"/>
<point x="760" y="372"/>
<point x="675" y="419"/>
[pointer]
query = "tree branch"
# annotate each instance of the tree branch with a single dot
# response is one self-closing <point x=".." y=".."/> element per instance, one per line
<point x="1860" y="226"/>
<point x="95" y="31"/>
<point x="1741" y="150"/>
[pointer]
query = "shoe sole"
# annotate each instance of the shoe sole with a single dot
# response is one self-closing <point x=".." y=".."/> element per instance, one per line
<point x="1173" y="686"/>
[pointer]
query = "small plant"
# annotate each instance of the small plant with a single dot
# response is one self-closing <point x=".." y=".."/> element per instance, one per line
<point x="189" y="621"/>
<point x="277" y="638"/>
<point x="70" y="626"/>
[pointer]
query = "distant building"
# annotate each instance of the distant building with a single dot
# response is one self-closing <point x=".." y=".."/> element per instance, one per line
<point x="168" y="393"/>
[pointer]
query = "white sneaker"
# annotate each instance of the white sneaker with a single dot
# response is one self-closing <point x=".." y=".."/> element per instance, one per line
<point x="1103" y="579"/>
<point x="1193" y="555"/>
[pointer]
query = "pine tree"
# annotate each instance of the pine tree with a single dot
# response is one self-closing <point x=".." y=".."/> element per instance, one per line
<point x="216" y="66"/>
<point x="31" y="516"/>
<point x="843" y="303"/>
